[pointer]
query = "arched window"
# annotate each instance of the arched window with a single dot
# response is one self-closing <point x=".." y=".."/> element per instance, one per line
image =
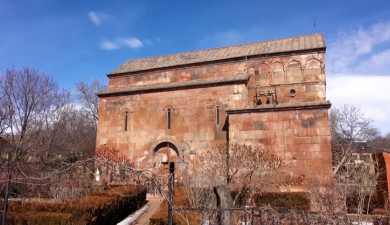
<point x="217" y="114"/>
<point x="169" y="118"/>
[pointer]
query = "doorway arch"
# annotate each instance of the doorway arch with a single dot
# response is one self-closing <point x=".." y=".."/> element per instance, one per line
<point x="166" y="143"/>
<point x="166" y="152"/>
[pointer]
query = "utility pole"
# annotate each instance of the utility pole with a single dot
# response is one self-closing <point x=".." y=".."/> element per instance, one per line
<point x="6" y="190"/>
<point x="170" y="187"/>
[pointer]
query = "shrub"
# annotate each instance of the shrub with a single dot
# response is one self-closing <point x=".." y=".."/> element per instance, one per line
<point x="353" y="202"/>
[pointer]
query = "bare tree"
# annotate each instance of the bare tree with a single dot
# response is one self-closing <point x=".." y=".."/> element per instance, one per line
<point x="76" y="136"/>
<point x="381" y="143"/>
<point x="3" y="118"/>
<point x="242" y="168"/>
<point x="86" y="94"/>
<point x="33" y="102"/>
<point x="329" y="201"/>
<point x="355" y="144"/>
<point x="349" y="127"/>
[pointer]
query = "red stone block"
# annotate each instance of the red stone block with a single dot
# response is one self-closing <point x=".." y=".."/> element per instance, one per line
<point x="245" y="118"/>
<point x="247" y="126"/>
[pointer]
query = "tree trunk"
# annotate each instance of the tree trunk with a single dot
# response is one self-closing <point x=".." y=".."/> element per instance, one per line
<point x="224" y="204"/>
<point x="338" y="166"/>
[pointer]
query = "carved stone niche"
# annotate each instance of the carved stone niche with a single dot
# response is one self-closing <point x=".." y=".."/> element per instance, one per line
<point x="294" y="72"/>
<point x="313" y="70"/>
<point x="278" y="73"/>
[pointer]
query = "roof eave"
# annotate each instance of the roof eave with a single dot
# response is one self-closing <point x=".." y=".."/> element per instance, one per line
<point x="281" y="107"/>
<point x="173" y="86"/>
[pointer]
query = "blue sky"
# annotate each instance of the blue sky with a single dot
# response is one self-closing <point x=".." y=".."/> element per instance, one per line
<point x="84" y="40"/>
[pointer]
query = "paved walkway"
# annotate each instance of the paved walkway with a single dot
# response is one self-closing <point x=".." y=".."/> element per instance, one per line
<point x="142" y="216"/>
<point x="154" y="203"/>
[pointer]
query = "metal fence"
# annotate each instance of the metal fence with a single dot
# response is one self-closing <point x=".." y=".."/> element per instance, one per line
<point x="269" y="216"/>
<point x="251" y="216"/>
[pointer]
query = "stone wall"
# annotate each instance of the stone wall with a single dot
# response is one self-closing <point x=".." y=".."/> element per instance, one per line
<point x="299" y="136"/>
<point x="193" y="119"/>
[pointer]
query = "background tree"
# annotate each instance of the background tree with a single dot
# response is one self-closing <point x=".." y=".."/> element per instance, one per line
<point x="86" y="94"/>
<point x="381" y="143"/>
<point x="32" y="106"/>
<point x="3" y="118"/>
<point x="348" y="127"/>
<point x="33" y="103"/>
<point x="81" y="122"/>
<point x="76" y="136"/>
<point x="355" y="142"/>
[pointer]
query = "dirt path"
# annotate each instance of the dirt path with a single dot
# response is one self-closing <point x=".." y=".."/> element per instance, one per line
<point x="153" y="205"/>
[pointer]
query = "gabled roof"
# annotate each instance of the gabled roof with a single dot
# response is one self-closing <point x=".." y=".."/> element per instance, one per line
<point x="175" y="86"/>
<point x="292" y="44"/>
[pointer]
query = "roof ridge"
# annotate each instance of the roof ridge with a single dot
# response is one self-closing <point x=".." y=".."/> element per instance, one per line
<point x="250" y="51"/>
<point x="221" y="47"/>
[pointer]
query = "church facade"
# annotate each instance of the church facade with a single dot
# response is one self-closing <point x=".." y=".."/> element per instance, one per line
<point x="270" y="94"/>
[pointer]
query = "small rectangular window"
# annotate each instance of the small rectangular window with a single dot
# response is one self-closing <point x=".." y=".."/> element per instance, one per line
<point x="169" y="118"/>
<point x="217" y="114"/>
<point x="126" y="115"/>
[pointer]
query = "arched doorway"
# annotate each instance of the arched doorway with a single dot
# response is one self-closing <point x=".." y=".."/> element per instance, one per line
<point x="164" y="154"/>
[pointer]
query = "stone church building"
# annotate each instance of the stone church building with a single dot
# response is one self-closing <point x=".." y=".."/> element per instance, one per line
<point x="271" y="94"/>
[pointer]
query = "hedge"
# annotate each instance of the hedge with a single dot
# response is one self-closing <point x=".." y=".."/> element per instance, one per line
<point x="100" y="207"/>
<point x="41" y="218"/>
<point x="284" y="200"/>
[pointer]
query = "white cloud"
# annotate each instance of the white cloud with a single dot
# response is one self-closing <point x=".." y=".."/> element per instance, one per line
<point x="359" y="71"/>
<point x="369" y="93"/>
<point x="349" y="47"/>
<point x="96" y="17"/>
<point x="377" y="63"/>
<point x="131" y="42"/>
<point x="107" y="45"/>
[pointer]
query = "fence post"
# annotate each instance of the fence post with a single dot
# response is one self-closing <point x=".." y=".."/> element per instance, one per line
<point x="245" y="219"/>
<point x="252" y="217"/>
<point x="170" y="187"/>
<point x="5" y="208"/>
<point x="261" y="217"/>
